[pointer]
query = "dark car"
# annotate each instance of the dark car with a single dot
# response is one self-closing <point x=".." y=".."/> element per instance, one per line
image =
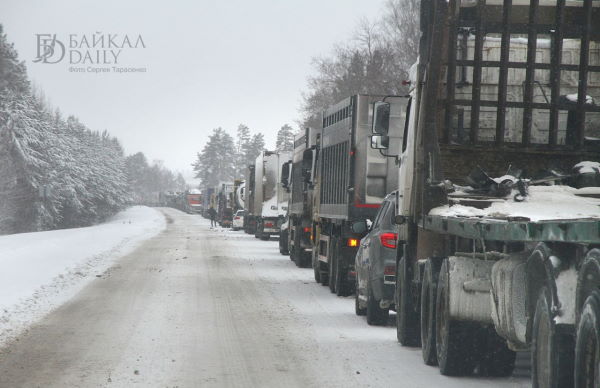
<point x="376" y="266"/>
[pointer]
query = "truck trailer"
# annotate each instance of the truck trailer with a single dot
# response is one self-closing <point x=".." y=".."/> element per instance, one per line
<point x="350" y="183"/>
<point x="498" y="208"/>
<point x="297" y="180"/>
<point x="269" y="199"/>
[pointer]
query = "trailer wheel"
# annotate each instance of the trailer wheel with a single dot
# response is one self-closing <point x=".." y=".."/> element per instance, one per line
<point x="316" y="266"/>
<point x="495" y="358"/>
<point x="552" y="351"/>
<point x="454" y="340"/>
<point x="331" y="264"/>
<point x="324" y="273"/>
<point x="407" y="320"/>
<point x="358" y="310"/>
<point x="296" y="252"/>
<point x="587" y="357"/>
<point x="428" y="297"/>
<point x="342" y="286"/>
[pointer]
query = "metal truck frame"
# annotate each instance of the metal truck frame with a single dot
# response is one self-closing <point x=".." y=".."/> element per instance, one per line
<point x="352" y="179"/>
<point x="471" y="289"/>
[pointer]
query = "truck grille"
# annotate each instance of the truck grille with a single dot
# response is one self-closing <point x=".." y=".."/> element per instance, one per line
<point x="335" y="164"/>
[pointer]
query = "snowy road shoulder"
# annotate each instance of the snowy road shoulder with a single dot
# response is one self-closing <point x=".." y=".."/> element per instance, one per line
<point x="40" y="271"/>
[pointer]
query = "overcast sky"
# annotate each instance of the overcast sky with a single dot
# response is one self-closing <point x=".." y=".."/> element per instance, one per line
<point x="209" y="64"/>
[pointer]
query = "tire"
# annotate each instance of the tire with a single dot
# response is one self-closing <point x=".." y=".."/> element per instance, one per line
<point x="427" y="312"/>
<point x="552" y="352"/>
<point x="376" y="316"/>
<point x="297" y="252"/>
<point x="342" y="286"/>
<point x="332" y="264"/>
<point x="265" y="237"/>
<point x="316" y="267"/>
<point x="360" y="311"/>
<point x="587" y="359"/>
<point x="324" y="274"/>
<point x="407" y="320"/>
<point x="455" y="342"/>
<point x="495" y="358"/>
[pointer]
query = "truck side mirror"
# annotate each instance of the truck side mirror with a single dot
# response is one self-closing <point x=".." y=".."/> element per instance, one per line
<point x="359" y="227"/>
<point x="381" y="117"/>
<point x="380" y="142"/>
<point x="399" y="219"/>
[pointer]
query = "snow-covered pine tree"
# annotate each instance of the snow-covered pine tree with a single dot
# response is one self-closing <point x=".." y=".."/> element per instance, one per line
<point x="241" y="148"/>
<point x="285" y="139"/>
<point x="216" y="161"/>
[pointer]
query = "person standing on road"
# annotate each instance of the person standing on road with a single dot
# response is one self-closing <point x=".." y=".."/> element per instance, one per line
<point x="212" y="214"/>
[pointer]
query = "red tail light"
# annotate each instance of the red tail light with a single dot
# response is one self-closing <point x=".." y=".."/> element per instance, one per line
<point x="268" y="224"/>
<point x="307" y="229"/>
<point x="352" y="242"/>
<point x="389" y="270"/>
<point x="388" y="240"/>
<point x="236" y="218"/>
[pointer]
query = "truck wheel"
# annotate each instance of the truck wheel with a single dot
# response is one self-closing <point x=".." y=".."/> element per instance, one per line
<point x="454" y="339"/>
<point x="332" y="264"/>
<point x="495" y="358"/>
<point x="316" y="267"/>
<point x="265" y="237"/>
<point x="375" y="314"/>
<point x="407" y="320"/>
<point x="305" y="259"/>
<point x="587" y="359"/>
<point x="324" y="274"/>
<point x="428" y="296"/>
<point x="358" y="310"/>
<point x="297" y="251"/>
<point x="552" y="352"/>
<point x="342" y="286"/>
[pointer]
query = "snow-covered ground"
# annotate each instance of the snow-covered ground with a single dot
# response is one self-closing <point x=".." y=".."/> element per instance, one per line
<point x="39" y="271"/>
<point x="208" y="307"/>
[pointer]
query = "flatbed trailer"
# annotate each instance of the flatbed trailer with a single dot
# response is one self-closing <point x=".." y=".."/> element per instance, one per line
<point x="502" y="86"/>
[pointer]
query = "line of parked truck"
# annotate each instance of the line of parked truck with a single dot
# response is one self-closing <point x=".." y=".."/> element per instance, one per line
<point x="469" y="206"/>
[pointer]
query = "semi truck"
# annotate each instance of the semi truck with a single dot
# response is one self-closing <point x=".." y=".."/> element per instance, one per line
<point x="225" y="203"/>
<point x="249" y="219"/>
<point x="351" y="179"/>
<point x="498" y="208"/>
<point x="269" y="199"/>
<point x="297" y="180"/>
<point x="193" y="201"/>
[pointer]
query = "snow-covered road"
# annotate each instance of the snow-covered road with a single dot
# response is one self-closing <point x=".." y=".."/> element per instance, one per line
<point x="195" y="307"/>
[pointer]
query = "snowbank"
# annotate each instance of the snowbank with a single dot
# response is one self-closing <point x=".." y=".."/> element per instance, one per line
<point x="39" y="271"/>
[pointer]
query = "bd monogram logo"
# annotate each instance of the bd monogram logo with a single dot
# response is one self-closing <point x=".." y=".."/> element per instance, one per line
<point x="86" y="49"/>
<point x="49" y="49"/>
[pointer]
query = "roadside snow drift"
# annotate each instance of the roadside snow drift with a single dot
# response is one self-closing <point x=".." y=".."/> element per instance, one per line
<point x="39" y="271"/>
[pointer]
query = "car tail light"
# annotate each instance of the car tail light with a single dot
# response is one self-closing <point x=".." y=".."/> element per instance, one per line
<point x="389" y="270"/>
<point x="236" y="218"/>
<point x="268" y="224"/>
<point x="352" y="242"/>
<point x="388" y="240"/>
<point x="307" y="229"/>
